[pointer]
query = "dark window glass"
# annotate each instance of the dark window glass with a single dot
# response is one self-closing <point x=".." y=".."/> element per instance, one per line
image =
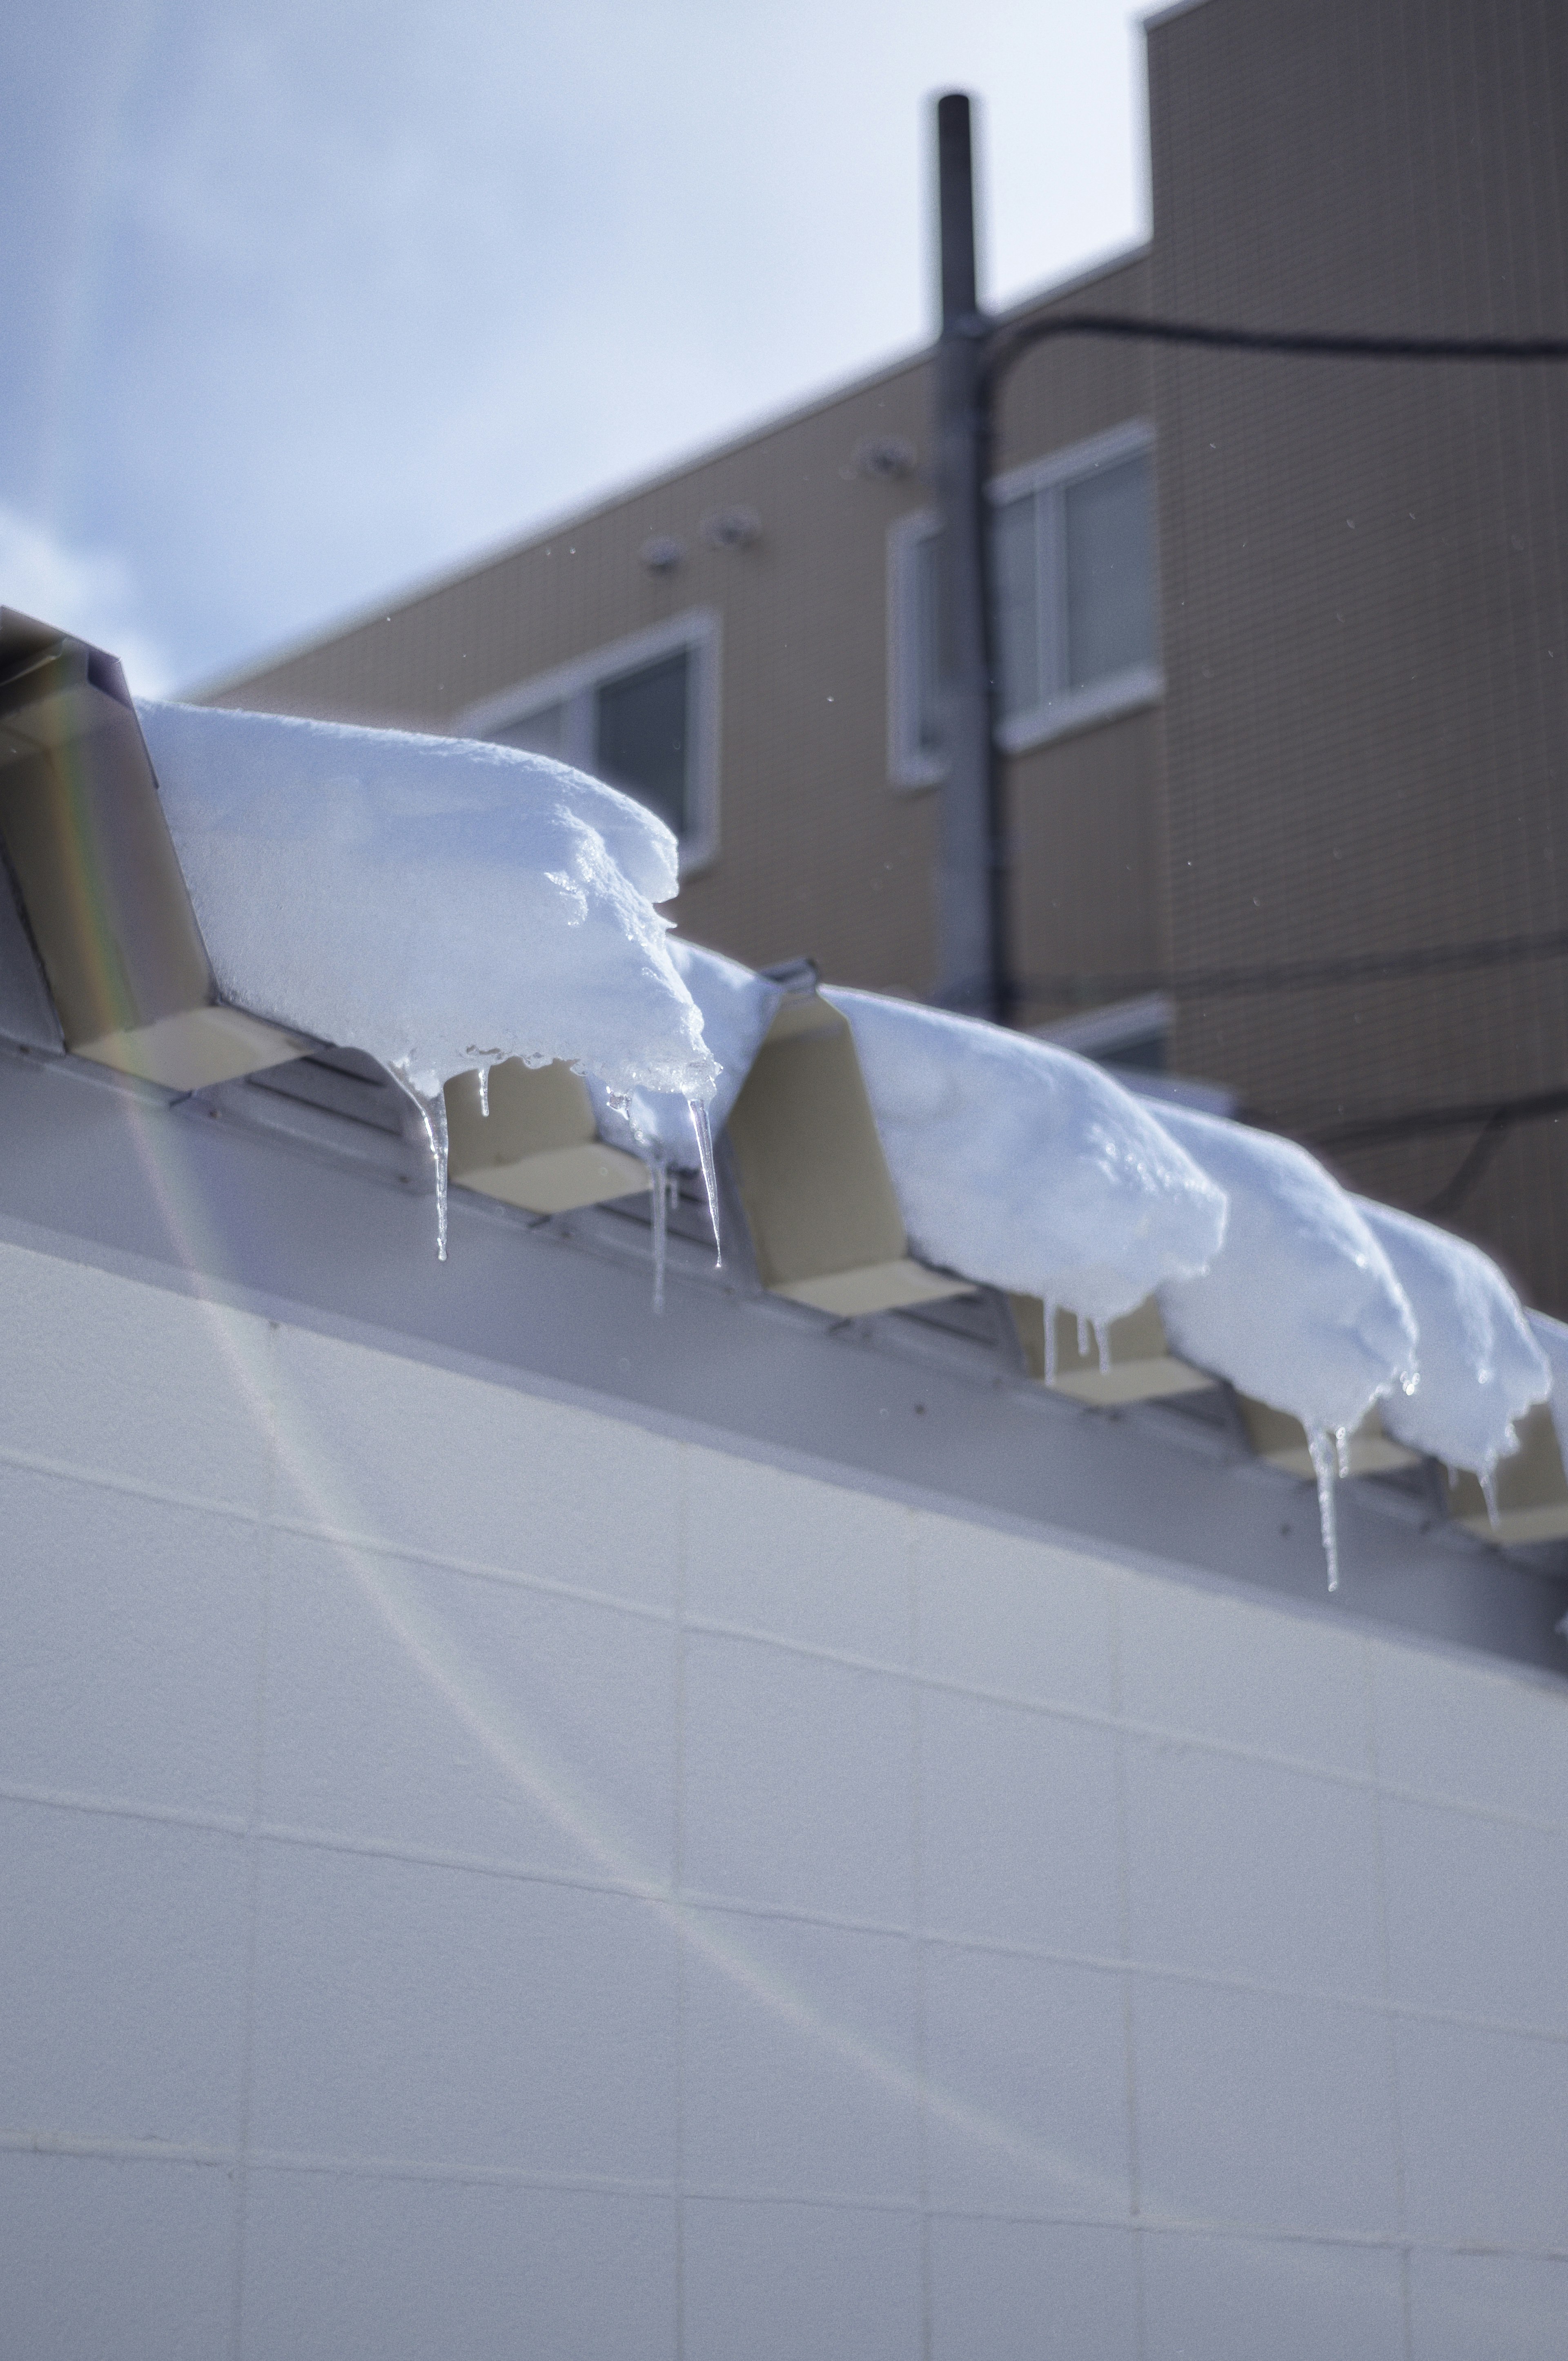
<point x="643" y="736"/>
<point x="1110" y="572"/>
<point x="927" y="646"/>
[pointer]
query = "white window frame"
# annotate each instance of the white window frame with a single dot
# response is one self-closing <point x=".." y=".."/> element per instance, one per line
<point x="571" y="685"/>
<point x="1058" y="715"/>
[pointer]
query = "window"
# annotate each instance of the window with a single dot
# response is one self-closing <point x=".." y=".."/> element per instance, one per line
<point x="1073" y="559"/>
<point x="642" y="714"/>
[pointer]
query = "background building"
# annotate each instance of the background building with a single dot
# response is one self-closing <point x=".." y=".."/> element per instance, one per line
<point x="1282" y="641"/>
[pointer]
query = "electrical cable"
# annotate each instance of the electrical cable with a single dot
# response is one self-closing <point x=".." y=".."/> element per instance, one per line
<point x="1008" y="345"/>
<point x="1089" y="990"/>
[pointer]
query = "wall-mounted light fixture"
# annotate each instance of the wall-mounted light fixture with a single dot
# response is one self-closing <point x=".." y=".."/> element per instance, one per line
<point x="662" y="553"/>
<point x="884" y="458"/>
<point x="97" y="877"/>
<point x="735" y="528"/>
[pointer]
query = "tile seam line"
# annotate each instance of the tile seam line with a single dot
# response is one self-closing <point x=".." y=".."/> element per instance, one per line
<point x="107" y="1479"/>
<point x="253" y="1851"/>
<point x="1148" y="1969"/>
<point x="520" y="1872"/>
<point x="447" y="2168"/>
<point x="471" y="1569"/>
<point x="121" y="1807"/>
<point x="108" y="2148"/>
<point x="1154" y="1733"/>
<point x="1091" y="1718"/>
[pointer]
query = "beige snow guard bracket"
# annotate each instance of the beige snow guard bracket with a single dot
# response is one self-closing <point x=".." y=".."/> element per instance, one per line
<point x="1138" y="1364"/>
<point x="1282" y="1441"/>
<point x="539" y="1146"/>
<point x="98" y="879"/>
<point x="825" y="1223"/>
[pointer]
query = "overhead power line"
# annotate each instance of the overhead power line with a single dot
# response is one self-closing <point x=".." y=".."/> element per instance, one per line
<point x="1491" y="1119"/>
<point x="1008" y="345"/>
<point x="1085" y="989"/>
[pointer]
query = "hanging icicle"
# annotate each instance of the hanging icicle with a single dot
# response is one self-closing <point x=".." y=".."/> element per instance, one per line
<point x="1324" y="1467"/>
<point x="710" y="1175"/>
<point x="433" y="1115"/>
<point x="661" y="1231"/>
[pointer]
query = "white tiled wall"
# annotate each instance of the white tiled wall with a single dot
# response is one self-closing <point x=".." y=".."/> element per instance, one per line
<point x="478" y="1879"/>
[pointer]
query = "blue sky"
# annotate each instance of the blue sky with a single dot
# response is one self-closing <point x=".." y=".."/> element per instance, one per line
<point x="305" y="301"/>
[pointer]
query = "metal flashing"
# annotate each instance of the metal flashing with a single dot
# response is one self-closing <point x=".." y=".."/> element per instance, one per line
<point x="96" y="876"/>
<point x="932" y="1408"/>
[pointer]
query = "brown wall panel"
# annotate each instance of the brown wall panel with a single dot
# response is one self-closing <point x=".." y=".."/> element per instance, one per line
<point x="1366" y="565"/>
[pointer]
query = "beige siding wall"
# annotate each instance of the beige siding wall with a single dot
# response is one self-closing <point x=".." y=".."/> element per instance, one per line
<point x="471" y="1860"/>
<point x="1366" y="586"/>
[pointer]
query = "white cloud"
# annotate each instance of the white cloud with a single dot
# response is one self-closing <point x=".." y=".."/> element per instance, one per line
<point x="87" y="591"/>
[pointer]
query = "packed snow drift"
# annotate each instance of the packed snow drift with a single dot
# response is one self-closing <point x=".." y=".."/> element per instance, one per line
<point x="1300" y="1307"/>
<point x="1477" y="1366"/>
<point x="435" y="901"/>
<point x="737" y="1008"/>
<point x="1026" y="1167"/>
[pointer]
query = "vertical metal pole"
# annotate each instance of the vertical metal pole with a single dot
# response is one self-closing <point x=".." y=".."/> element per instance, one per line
<point x="971" y="902"/>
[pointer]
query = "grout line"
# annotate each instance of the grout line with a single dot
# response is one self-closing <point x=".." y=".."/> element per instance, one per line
<point x="109" y="2149"/>
<point x="917" y="1866"/>
<point x="1386" y="1965"/>
<point x="135" y="1488"/>
<point x="418" y="1856"/>
<point x="680" y="1913"/>
<point x="728" y="1905"/>
<point x="687" y="1899"/>
<point x="1160" y="1734"/>
<point x="445" y="2169"/>
<point x="1124" y="1939"/>
<point x="346" y="1537"/>
<point x="24" y="2142"/>
<point x="481" y="1570"/>
<point x="123" y="1808"/>
<point x="253" y="1854"/>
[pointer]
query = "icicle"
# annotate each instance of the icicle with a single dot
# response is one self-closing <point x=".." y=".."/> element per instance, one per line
<point x="709" y="1176"/>
<point x="1050" y="1311"/>
<point x="1103" y="1345"/>
<point x="484" y="1092"/>
<point x="661" y="1227"/>
<point x="1342" y="1451"/>
<point x="1322" y="1449"/>
<point x="1452" y="1474"/>
<point x="1082" y="1338"/>
<point x="433" y="1114"/>
<point x="1488" y="1477"/>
